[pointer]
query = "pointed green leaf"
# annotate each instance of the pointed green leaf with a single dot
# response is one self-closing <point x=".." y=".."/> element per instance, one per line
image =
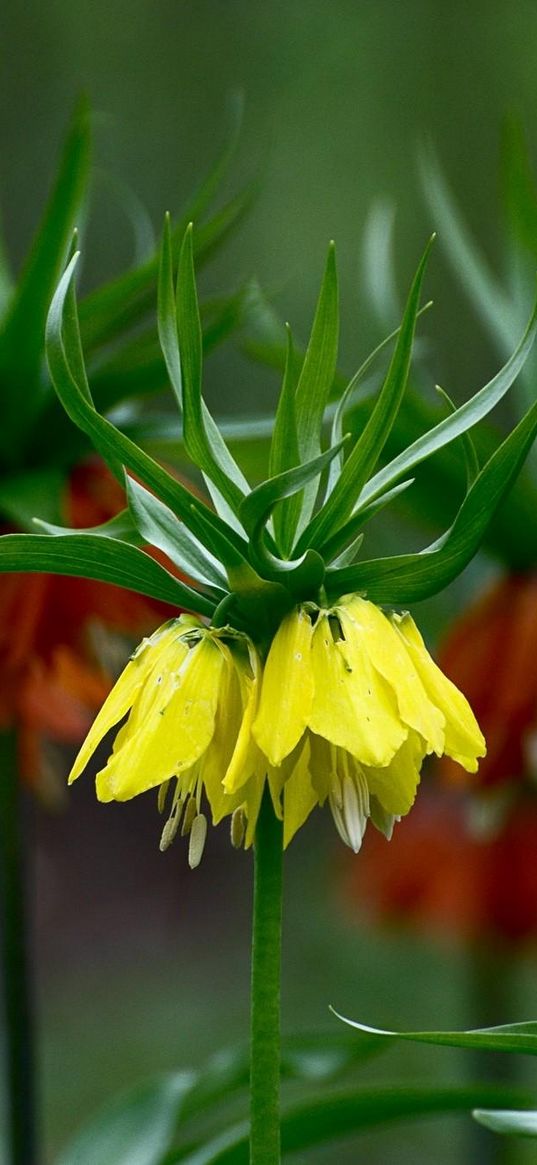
<point x="510" y="1037"/>
<point x="365" y="454"/>
<point x="257" y="507"/>
<point x="507" y="1121"/>
<point x="64" y="354"/>
<point x="284" y="452"/>
<point x="21" y="340"/>
<point x="101" y="558"/>
<point x="181" y="340"/>
<point x="317" y="374"/>
<point x="471" y="460"/>
<point x="343" y="403"/>
<point x="302" y="575"/>
<point x="121" y="526"/>
<point x="459" y="422"/>
<point x="159" y="527"/>
<point x="408" y="578"/>
<point x="347" y="533"/>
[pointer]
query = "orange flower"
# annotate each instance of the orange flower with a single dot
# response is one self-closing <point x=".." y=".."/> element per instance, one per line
<point x="466" y="860"/>
<point x="491" y="655"/>
<point x="439" y="876"/>
<point x="51" y="680"/>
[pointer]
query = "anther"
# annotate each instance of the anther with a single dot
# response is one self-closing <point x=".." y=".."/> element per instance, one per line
<point x="198" y="834"/>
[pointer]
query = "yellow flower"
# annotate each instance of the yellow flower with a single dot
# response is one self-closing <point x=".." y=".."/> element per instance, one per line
<point x="348" y="705"/>
<point x="351" y="703"/>
<point x="190" y="694"/>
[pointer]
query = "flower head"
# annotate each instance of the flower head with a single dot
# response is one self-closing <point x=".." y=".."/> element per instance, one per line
<point x="189" y="693"/>
<point x="277" y="680"/>
<point x="346" y="708"/>
<point x="351" y="703"/>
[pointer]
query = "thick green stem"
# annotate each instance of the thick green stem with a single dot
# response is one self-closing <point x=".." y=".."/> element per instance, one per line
<point x="19" y="1066"/>
<point x="266" y="965"/>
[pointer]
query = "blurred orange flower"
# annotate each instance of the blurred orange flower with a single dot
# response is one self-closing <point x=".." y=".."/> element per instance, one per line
<point x="52" y="680"/>
<point x="465" y="861"/>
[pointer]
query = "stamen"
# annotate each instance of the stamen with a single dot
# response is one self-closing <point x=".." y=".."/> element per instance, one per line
<point x="198" y="835"/>
<point x="162" y="795"/>
<point x="238" y="828"/>
<point x="190" y="813"/>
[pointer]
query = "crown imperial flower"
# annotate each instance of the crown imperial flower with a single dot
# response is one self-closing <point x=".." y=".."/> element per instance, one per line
<point x="277" y="681"/>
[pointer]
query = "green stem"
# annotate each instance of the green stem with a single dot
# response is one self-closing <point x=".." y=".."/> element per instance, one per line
<point x="266" y="964"/>
<point x="19" y="1064"/>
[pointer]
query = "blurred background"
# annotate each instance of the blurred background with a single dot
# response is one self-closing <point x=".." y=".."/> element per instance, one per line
<point x="139" y="964"/>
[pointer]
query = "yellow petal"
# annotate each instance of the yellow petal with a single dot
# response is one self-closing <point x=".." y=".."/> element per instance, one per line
<point x="226" y="730"/>
<point x="391" y="659"/>
<point x="253" y="793"/>
<point x="299" y="796"/>
<point x="352" y="707"/>
<point x="464" y="741"/>
<point x="395" y="786"/>
<point x="286" y="690"/>
<point x="125" y="691"/>
<point x="245" y="752"/>
<point x="176" y="732"/>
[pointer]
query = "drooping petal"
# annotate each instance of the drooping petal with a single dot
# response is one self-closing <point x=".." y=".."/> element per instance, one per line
<point x="245" y="753"/>
<point x="176" y="733"/>
<point x="125" y="691"/>
<point x="395" y="785"/>
<point x="390" y="658"/>
<point x="287" y="689"/>
<point x="299" y="796"/>
<point x="464" y="741"/>
<point x="352" y="706"/>
<point x="227" y="727"/>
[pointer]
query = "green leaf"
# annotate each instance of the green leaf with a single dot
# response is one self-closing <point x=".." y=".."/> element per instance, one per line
<point x="181" y="341"/>
<point x="325" y="1119"/>
<point x="302" y="574"/>
<point x="509" y="1122"/>
<point x="408" y="578"/>
<point x="21" y="341"/>
<point x="510" y="1037"/>
<point x="160" y="528"/>
<point x="65" y="357"/>
<point x="347" y="533"/>
<point x="203" y="441"/>
<point x="133" y="1129"/>
<point x="284" y="452"/>
<point x="121" y="527"/>
<point x="343" y="403"/>
<point x="317" y="376"/>
<point x="101" y="558"/>
<point x="256" y="508"/>
<point x="368" y="447"/>
<point x="471" y="460"/>
<point x="459" y="422"/>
